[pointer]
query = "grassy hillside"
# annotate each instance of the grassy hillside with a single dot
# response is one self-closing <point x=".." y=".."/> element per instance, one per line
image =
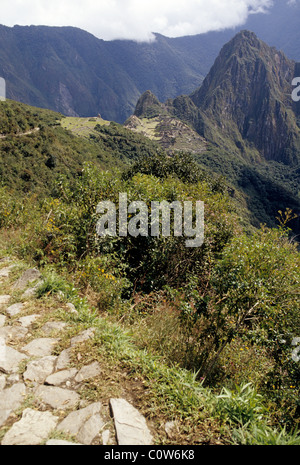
<point x="210" y="330"/>
<point x="37" y="146"/>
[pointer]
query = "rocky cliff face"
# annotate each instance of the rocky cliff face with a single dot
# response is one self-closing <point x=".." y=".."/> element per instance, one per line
<point x="247" y="96"/>
<point x="148" y="106"/>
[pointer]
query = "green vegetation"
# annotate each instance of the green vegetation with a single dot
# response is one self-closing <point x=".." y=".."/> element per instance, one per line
<point x="32" y="162"/>
<point x="208" y="330"/>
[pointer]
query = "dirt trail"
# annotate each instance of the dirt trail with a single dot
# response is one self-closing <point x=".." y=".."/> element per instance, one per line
<point x="27" y="133"/>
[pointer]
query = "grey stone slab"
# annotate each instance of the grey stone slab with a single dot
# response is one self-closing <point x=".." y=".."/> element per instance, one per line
<point x="2" y="320"/>
<point x="61" y="377"/>
<point x="27" y="277"/>
<point x="63" y="360"/>
<point x="88" y="372"/>
<point x="4" y="272"/>
<point x="10" y="400"/>
<point x="38" y="370"/>
<point x="13" y="333"/>
<point x="130" y="424"/>
<point x="26" y="321"/>
<point x="91" y="429"/>
<point x="14" y="309"/>
<point x="33" y="428"/>
<point x="57" y="398"/>
<point x="83" y="336"/>
<point x="84" y="424"/>
<point x="53" y="326"/>
<point x="10" y="362"/>
<point x="40" y="347"/>
<point x="2" y="382"/>
<point x="31" y="291"/>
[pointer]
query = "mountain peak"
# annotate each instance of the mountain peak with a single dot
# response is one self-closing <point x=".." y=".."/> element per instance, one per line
<point x="148" y="105"/>
<point x="248" y="93"/>
<point x="248" y="36"/>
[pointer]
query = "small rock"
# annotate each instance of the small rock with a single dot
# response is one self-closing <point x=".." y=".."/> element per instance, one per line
<point x="38" y="370"/>
<point x="91" y="429"/>
<point x="2" y="382"/>
<point x="170" y="426"/>
<point x="15" y="309"/>
<point x="40" y="347"/>
<point x="27" y="277"/>
<point x="31" y="291"/>
<point x="4" y="299"/>
<point x="53" y="326"/>
<point x="84" y="424"/>
<point x="27" y="321"/>
<point x="2" y="320"/>
<point x="10" y="400"/>
<point x="71" y="308"/>
<point x="12" y="333"/>
<point x="131" y="426"/>
<point x="61" y="377"/>
<point x="4" y="272"/>
<point x="33" y="428"/>
<point x="2" y="349"/>
<point x="87" y="372"/>
<point x="82" y="337"/>
<point x="63" y="360"/>
<point x="57" y="398"/>
<point x="11" y="361"/>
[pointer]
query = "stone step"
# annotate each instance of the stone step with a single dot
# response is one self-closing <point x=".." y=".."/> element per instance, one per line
<point x="131" y="426"/>
<point x="53" y="384"/>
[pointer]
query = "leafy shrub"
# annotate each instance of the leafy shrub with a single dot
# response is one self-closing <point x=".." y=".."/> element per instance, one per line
<point x="240" y="406"/>
<point x="264" y="435"/>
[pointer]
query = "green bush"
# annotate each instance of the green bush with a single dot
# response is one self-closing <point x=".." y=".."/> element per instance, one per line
<point x="264" y="435"/>
<point x="240" y="406"/>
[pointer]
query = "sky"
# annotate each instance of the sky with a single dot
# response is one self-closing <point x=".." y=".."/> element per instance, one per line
<point x="133" y="19"/>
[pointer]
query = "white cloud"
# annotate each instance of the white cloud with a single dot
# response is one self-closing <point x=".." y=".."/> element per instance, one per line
<point x="132" y="19"/>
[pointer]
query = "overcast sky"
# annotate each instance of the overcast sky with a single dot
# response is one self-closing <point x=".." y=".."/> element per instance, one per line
<point x="132" y="19"/>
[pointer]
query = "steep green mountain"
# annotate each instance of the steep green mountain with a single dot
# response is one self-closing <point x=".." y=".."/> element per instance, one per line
<point x="247" y="120"/>
<point x="70" y="71"/>
<point x="246" y="97"/>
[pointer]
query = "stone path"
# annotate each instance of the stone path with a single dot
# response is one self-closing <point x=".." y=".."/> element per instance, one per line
<point x="40" y="397"/>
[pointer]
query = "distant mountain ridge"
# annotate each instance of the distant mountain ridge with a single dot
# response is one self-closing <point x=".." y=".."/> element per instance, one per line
<point x="69" y="70"/>
<point x="244" y="104"/>
<point x="248" y="122"/>
<point x="246" y="96"/>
